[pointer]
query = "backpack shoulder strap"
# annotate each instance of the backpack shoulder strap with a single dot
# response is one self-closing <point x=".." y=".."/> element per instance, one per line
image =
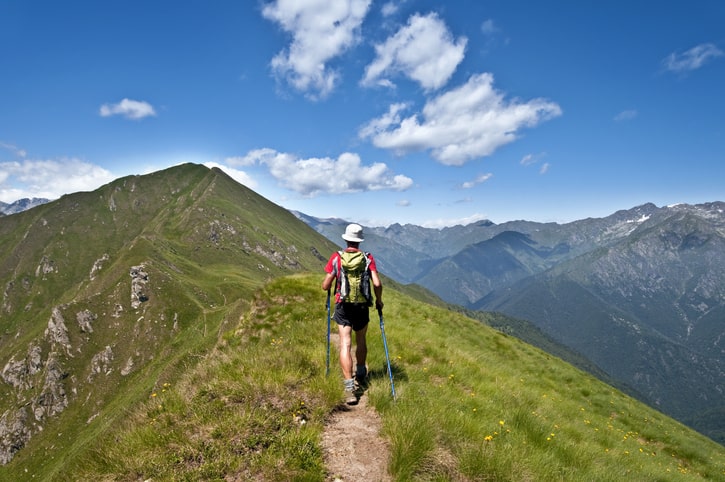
<point x="337" y="264"/>
<point x="368" y="259"/>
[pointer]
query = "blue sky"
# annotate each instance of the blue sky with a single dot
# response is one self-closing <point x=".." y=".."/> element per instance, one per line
<point x="431" y="113"/>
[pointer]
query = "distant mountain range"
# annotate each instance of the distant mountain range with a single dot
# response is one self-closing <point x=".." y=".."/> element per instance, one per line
<point x="640" y="293"/>
<point x="20" y="205"/>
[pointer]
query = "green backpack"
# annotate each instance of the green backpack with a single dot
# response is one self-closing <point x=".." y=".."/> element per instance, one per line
<point x="354" y="278"/>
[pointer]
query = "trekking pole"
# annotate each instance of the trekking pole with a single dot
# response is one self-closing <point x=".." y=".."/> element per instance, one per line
<point x="327" y="370"/>
<point x="387" y="356"/>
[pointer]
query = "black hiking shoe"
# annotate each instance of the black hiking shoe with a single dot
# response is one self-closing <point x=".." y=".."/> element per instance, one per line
<point x="361" y="377"/>
<point x="361" y="384"/>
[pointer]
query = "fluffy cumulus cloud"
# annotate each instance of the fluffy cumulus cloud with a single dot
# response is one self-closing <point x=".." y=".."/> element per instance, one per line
<point x="49" y="179"/>
<point x="692" y="59"/>
<point x="130" y="109"/>
<point x="314" y="176"/>
<point x="423" y="50"/>
<point x="460" y="125"/>
<point x="321" y="30"/>
<point x="240" y="176"/>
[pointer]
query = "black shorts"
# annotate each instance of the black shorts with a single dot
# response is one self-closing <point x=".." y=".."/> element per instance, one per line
<point x="356" y="315"/>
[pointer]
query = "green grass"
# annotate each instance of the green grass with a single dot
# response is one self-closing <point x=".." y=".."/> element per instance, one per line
<point x="472" y="404"/>
<point x="207" y="244"/>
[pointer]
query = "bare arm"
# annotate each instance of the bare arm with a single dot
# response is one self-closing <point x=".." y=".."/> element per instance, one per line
<point x="378" y="289"/>
<point x="327" y="282"/>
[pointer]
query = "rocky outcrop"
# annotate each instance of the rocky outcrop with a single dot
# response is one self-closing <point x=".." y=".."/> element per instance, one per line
<point x="52" y="399"/>
<point x="128" y="368"/>
<point x="23" y="375"/>
<point x="38" y="384"/>
<point x="101" y="363"/>
<point x="97" y="266"/>
<point x="14" y="433"/>
<point x="85" y="319"/>
<point x="45" y="267"/>
<point x="139" y="279"/>
<point x="57" y="333"/>
<point x="19" y="374"/>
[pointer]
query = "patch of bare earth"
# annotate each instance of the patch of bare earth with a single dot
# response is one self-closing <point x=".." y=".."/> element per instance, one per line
<point x="353" y="447"/>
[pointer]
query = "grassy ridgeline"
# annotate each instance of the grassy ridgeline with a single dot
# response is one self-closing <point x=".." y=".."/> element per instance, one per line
<point x="473" y="404"/>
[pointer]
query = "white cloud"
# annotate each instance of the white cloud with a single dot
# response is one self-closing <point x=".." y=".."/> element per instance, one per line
<point x="130" y="109"/>
<point x="49" y="179"/>
<point x="692" y="59"/>
<point x="389" y="8"/>
<point x="314" y="176"/>
<point x="321" y="30"/>
<point x="14" y="149"/>
<point x="240" y="161"/>
<point x="488" y="27"/>
<point x="423" y="50"/>
<point x="447" y="222"/>
<point x="465" y="123"/>
<point x="626" y="115"/>
<point x="544" y="168"/>
<point x="403" y="203"/>
<point x="240" y="176"/>
<point x="479" y="180"/>
<point x="382" y="123"/>
<point x="530" y="159"/>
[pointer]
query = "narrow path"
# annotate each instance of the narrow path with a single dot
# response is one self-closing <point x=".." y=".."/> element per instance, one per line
<point x="352" y="446"/>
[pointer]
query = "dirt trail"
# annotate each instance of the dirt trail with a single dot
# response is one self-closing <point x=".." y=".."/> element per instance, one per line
<point x="351" y="442"/>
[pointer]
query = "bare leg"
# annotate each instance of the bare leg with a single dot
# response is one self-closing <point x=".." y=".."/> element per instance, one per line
<point x="361" y="348"/>
<point x="345" y="350"/>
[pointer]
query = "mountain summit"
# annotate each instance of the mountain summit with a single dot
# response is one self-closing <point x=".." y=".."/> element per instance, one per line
<point x="102" y="290"/>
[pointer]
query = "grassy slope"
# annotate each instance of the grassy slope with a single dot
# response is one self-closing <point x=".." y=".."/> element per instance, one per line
<point x="207" y="244"/>
<point x="473" y="404"/>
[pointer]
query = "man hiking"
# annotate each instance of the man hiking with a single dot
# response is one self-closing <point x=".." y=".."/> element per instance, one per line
<point x="353" y="271"/>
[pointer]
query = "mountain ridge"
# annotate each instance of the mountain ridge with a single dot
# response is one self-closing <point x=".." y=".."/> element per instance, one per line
<point x="99" y="285"/>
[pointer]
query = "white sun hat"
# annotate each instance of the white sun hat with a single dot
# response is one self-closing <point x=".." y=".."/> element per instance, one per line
<point x="353" y="233"/>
